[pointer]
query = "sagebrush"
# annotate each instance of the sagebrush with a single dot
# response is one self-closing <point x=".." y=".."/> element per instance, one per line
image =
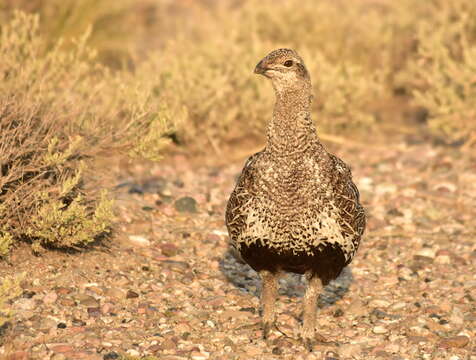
<point x="200" y="56"/>
<point x="61" y="110"/>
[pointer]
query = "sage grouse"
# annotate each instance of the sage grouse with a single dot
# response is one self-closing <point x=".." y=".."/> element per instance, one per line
<point x="294" y="207"/>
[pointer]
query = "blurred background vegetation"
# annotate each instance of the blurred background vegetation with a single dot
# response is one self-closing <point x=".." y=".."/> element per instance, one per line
<point x="81" y="79"/>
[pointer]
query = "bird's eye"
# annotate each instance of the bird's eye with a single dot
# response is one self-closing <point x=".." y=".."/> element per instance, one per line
<point x="288" y="63"/>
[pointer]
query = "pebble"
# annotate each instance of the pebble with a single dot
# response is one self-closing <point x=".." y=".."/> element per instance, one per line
<point x="427" y="252"/>
<point x="58" y="357"/>
<point x="131" y="294"/>
<point x="133" y="352"/>
<point x="114" y="293"/>
<point x="443" y="257"/>
<point x="454" y="342"/>
<point x="377" y="303"/>
<point x="195" y="355"/>
<point x="139" y="240"/>
<point x="379" y="330"/>
<point x="111" y="356"/>
<point x="94" y="311"/>
<point x="398" y="305"/>
<point x="87" y="300"/>
<point x="50" y="298"/>
<point x="168" y="249"/>
<point x="186" y="204"/>
<point x="61" y="290"/>
<point x="67" y="302"/>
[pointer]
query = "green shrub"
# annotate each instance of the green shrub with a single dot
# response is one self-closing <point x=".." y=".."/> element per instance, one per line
<point x="444" y="74"/>
<point x="60" y="111"/>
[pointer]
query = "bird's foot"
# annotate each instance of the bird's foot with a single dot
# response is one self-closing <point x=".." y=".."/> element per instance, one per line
<point x="310" y="339"/>
<point x="307" y="336"/>
<point x="267" y="327"/>
<point x="308" y="344"/>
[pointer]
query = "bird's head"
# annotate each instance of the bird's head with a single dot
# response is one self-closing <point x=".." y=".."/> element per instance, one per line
<point x="285" y="68"/>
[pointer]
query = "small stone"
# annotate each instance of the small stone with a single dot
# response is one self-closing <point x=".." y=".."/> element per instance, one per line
<point x="67" y="302"/>
<point x="28" y="294"/>
<point x="169" y="249"/>
<point x="186" y="204"/>
<point x="195" y="355"/>
<point x="139" y="240"/>
<point x="338" y="313"/>
<point x="94" y="311"/>
<point x="133" y="352"/>
<point x="106" y="308"/>
<point x="135" y="189"/>
<point x="445" y="187"/>
<point x="443" y="257"/>
<point x="58" y="357"/>
<point x="378" y="303"/>
<point x="178" y="266"/>
<point x="131" y="294"/>
<point x="331" y="355"/>
<point x="399" y="305"/>
<point x="50" y="297"/>
<point x="114" y="293"/>
<point x="61" y="325"/>
<point x="63" y="290"/>
<point x="426" y="252"/>
<point x="87" y="300"/>
<point x="164" y="199"/>
<point x="78" y="322"/>
<point x="111" y="356"/>
<point x="380" y="330"/>
<point x="454" y="342"/>
<point x="379" y="314"/>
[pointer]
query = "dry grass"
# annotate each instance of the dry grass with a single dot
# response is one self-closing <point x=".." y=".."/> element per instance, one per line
<point x="185" y="69"/>
<point x="59" y="111"/>
<point x="444" y="72"/>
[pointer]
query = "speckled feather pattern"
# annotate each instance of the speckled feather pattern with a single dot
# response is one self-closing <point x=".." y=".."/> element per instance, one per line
<point x="294" y="197"/>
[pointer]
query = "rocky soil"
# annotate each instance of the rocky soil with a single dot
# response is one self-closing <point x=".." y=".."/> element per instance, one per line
<point x="167" y="288"/>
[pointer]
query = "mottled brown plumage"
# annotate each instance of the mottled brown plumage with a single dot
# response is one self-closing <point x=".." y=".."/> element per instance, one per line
<point x="294" y="207"/>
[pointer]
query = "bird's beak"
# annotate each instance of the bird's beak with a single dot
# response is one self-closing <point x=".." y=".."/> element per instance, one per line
<point x="261" y="68"/>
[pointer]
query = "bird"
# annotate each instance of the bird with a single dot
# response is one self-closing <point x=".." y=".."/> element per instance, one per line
<point x="294" y="207"/>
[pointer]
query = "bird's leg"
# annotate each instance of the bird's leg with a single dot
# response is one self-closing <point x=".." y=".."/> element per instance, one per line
<point x="268" y="298"/>
<point x="310" y="309"/>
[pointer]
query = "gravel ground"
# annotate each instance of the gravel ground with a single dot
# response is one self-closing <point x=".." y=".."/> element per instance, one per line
<point x="168" y="287"/>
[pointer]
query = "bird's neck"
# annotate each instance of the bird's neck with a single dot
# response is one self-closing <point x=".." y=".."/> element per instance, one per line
<point x="291" y="131"/>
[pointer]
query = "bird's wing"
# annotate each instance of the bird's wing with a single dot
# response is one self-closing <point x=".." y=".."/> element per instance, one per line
<point x="347" y="199"/>
<point x="234" y="217"/>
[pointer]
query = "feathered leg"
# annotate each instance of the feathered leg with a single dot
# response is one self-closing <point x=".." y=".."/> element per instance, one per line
<point x="310" y="310"/>
<point x="268" y="298"/>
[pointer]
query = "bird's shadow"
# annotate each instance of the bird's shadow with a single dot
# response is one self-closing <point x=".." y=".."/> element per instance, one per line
<point x="242" y="276"/>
